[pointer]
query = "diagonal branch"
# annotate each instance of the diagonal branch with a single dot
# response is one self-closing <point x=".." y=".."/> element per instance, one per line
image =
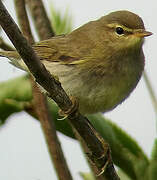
<point x="39" y="100"/>
<point x="100" y="155"/>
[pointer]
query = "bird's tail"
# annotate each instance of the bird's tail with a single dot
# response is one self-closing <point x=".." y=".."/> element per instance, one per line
<point x="14" y="58"/>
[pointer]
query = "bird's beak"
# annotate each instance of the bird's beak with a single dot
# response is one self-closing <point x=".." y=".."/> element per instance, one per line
<point x="142" y="33"/>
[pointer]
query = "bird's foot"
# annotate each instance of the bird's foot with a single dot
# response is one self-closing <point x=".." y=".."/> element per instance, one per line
<point x="71" y="110"/>
<point x="104" y="159"/>
<point x="106" y="156"/>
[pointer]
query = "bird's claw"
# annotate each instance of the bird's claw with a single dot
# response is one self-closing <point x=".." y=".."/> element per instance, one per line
<point x="102" y="170"/>
<point x="71" y="110"/>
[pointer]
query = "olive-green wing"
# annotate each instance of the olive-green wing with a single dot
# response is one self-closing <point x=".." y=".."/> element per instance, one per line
<point x="56" y="49"/>
<point x="66" y="49"/>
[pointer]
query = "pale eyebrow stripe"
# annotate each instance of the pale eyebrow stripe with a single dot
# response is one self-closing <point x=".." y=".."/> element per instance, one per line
<point x="115" y="25"/>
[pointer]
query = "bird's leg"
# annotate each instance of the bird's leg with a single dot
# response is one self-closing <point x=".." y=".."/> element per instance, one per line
<point x="71" y="110"/>
<point x="106" y="156"/>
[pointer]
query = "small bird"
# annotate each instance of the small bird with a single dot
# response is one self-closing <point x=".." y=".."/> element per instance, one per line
<point x="99" y="63"/>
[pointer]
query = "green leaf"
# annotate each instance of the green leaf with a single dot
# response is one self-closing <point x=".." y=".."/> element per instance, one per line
<point x="14" y="96"/>
<point x="128" y="142"/>
<point x="122" y="175"/>
<point x="154" y="151"/>
<point x="152" y="173"/>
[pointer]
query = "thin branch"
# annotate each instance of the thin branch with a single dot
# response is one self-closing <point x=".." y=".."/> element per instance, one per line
<point x="151" y="91"/>
<point x="40" y="100"/>
<point x="100" y="155"/>
<point x="48" y="126"/>
<point x="23" y="20"/>
<point x="41" y="21"/>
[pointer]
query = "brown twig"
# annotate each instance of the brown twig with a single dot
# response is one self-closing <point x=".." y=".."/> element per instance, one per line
<point x="39" y="100"/>
<point x="23" y="20"/>
<point x="51" y="136"/>
<point x="53" y="87"/>
<point x="41" y="21"/>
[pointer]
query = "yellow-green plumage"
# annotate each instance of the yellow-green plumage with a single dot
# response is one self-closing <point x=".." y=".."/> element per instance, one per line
<point x="99" y="63"/>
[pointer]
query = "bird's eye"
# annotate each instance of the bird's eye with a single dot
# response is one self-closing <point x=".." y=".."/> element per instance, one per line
<point x="119" y="30"/>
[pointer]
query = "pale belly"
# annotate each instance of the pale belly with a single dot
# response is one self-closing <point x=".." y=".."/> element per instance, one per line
<point x="100" y="96"/>
<point x="96" y="95"/>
